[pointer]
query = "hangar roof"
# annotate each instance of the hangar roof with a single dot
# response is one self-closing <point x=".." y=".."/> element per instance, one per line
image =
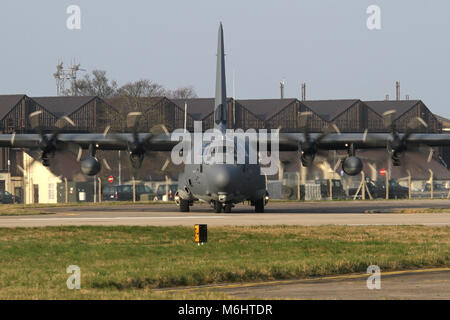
<point x="127" y="105"/>
<point x="198" y="108"/>
<point x="265" y="108"/>
<point x="400" y="105"/>
<point x="63" y="106"/>
<point x="7" y="102"/>
<point x="329" y="109"/>
<point x="444" y="121"/>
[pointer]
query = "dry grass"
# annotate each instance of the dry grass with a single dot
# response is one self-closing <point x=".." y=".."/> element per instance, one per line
<point x="82" y="204"/>
<point x="37" y="208"/>
<point x="423" y="210"/>
<point x="18" y="210"/>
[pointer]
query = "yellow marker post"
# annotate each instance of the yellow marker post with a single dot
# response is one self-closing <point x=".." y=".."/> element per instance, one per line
<point x="201" y="233"/>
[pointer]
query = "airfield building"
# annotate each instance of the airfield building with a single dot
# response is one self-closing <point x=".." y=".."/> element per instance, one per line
<point x="31" y="182"/>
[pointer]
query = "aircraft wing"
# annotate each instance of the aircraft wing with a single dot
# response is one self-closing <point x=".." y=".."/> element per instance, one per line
<point x="287" y="141"/>
<point x="341" y="141"/>
<point x="116" y="141"/>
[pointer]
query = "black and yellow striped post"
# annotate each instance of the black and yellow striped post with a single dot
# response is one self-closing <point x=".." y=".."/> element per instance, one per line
<point x="201" y="233"/>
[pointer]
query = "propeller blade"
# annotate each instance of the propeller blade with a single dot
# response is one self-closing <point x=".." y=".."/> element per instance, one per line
<point x="159" y="128"/>
<point x="34" y="120"/>
<point x="416" y="123"/>
<point x="13" y="137"/>
<point x="366" y="131"/>
<point x="105" y="132"/>
<point x="63" y="121"/>
<point x="335" y="127"/>
<point x="389" y="117"/>
<point x="21" y="169"/>
<point x="303" y="119"/>
<point x="74" y="149"/>
<point x="106" y="164"/>
<point x="80" y="152"/>
<point x="336" y="166"/>
<point x="413" y="125"/>
<point x="430" y="155"/>
<point x="166" y="163"/>
<point x="133" y="119"/>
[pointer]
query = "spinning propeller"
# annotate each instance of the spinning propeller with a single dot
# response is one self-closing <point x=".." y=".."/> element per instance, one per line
<point x="309" y="145"/>
<point x="49" y="143"/>
<point x="398" y="145"/>
<point x="139" y="147"/>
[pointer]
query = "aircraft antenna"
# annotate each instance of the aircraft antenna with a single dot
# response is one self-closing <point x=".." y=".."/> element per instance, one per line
<point x="185" y="116"/>
<point x="234" y="102"/>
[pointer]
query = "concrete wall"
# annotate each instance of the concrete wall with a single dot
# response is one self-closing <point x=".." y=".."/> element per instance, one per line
<point x="6" y="176"/>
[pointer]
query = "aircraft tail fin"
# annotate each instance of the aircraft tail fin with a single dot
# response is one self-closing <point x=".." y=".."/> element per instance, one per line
<point x="220" y="105"/>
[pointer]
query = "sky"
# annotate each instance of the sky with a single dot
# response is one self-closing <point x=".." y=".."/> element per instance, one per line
<point x="324" y="43"/>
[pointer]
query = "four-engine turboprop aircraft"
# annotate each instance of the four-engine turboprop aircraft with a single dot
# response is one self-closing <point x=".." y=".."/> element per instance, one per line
<point x="222" y="184"/>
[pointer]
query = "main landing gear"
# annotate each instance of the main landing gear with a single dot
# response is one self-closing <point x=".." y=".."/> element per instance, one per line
<point x="261" y="203"/>
<point x="184" y="205"/>
<point x="259" y="206"/>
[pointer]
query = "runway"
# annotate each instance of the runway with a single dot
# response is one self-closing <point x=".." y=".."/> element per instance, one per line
<point x="351" y="213"/>
<point x="409" y="284"/>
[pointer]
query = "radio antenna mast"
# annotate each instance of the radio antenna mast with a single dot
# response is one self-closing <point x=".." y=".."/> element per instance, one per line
<point x="62" y="75"/>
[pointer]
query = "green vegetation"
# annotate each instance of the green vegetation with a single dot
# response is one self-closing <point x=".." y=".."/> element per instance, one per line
<point x="128" y="262"/>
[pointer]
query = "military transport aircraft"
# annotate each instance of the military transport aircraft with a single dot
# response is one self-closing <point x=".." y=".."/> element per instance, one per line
<point x="222" y="184"/>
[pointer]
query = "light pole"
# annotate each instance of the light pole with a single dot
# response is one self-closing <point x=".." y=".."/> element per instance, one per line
<point x="120" y="170"/>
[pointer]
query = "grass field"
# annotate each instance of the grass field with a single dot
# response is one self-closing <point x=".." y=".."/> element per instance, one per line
<point x="81" y="204"/>
<point x="19" y="210"/>
<point x="43" y="208"/>
<point x="39" y="208"/>
<point x="128" y="262"/>
<point x="423" y="210"/>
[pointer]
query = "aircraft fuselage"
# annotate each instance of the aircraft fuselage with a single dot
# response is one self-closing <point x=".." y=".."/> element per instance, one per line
<point x="225" y="183"/>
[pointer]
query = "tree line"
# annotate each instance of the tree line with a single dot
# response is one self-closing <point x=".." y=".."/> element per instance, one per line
<point x="98" y="84"/>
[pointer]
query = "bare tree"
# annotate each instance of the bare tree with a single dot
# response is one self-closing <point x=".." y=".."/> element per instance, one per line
<point x="187" y="92"/>
<point x="141" y="89"/>
<point x="98" y="85"/>
<point x="138" y="95"/>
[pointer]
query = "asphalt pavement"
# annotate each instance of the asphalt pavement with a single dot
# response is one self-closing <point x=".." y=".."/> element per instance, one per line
<point x="276" y="213"/>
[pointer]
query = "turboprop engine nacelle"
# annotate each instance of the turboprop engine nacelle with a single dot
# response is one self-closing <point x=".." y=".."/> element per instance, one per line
<point x="90" y="166"/>
<point x="352" y="165"/>
<point x="307" y="159"/>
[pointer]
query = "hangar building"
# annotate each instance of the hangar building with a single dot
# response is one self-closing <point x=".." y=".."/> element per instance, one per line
<point x="94" y="114"/>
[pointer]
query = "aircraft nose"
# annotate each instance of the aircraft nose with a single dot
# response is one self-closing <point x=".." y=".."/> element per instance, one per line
<point x="223" y="178"/>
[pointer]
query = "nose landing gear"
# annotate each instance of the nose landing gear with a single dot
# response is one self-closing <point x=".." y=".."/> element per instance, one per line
<point x="227" y="208"/>
<point x="219" y="206"/>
